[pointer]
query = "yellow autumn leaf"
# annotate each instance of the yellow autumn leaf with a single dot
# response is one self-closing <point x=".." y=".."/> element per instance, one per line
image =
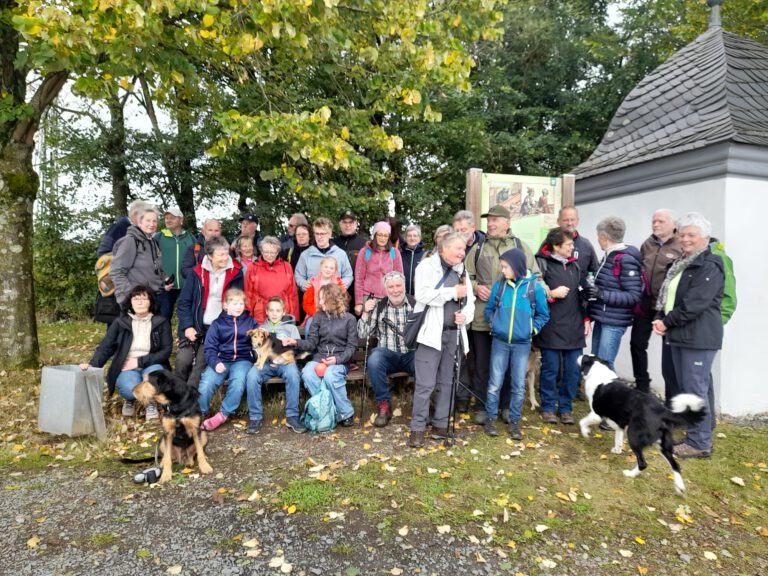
<point x="642" y="570"/>
<point x="366" y="446"/>
<point x="222" y="490"/>
<point x="33" y="542"/>
<point x="177" y="77"/>
<point x="291" y="509"/>
<point x="639" y="540"/>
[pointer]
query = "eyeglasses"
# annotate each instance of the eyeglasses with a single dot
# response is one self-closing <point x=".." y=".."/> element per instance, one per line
<point x="322" y="233"/>
<point x="140" y="297"/>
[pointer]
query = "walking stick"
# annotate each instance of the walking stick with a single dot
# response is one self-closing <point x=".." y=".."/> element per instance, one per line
<point x="451" y="436"/>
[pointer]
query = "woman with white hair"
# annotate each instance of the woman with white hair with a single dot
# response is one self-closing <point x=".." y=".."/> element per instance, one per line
<point x="689" y="319"/>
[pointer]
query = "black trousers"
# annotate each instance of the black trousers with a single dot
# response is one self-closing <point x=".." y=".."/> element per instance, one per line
<point x="638" y="347"/>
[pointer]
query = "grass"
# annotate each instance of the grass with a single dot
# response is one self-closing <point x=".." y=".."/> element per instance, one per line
<point x="555" y="495"/>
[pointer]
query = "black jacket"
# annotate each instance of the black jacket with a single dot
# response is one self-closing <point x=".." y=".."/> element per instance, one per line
<point x="411" y="258"/>
<point x="695" y="320"/>
<point x="117" y="344"/>
<point x="565" y="329"/>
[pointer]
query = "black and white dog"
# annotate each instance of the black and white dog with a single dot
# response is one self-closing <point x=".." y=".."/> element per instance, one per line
<point x="640" y="415"/>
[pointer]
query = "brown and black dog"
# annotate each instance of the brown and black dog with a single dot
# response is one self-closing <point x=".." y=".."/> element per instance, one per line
<point x="268" y="348"/>
<point x="182" y="441"/>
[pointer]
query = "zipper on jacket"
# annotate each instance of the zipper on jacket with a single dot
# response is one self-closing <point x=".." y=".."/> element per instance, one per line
<point x="234" y="340"/>
<point x="512" y="315"/>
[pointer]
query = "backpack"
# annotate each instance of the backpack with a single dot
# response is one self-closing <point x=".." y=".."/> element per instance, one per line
<point x="529" y="293"/>
<point x="391" y="253"/>
<point x="105" y="284"/>
<point x="319" y="411"/>
<point x="515" y="239"/>
<point x="637" y="309"/>
<point x="728" y="305"/>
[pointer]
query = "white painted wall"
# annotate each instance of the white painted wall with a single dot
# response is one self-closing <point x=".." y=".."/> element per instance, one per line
<point x="735" y="206"/>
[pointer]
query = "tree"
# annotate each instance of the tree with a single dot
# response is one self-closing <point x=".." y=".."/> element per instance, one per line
<point x="391" y="56"/>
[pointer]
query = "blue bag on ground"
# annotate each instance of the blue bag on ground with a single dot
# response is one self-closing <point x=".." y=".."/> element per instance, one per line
<point x="320" y="411"/>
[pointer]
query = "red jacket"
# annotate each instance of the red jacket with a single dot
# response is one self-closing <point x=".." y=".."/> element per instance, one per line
<point x="310" y="302"/>
<point x="263" y="281"/>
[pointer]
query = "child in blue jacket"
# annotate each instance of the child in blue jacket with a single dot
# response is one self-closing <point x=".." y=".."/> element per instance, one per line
<point x="228" y="355"/>
<point x="516" y="310"/>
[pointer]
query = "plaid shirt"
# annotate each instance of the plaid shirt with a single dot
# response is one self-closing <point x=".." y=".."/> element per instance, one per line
<point x="383" y="327"/>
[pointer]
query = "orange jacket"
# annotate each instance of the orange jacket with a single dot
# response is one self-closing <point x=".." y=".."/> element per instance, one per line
<point x="263" y="281"/>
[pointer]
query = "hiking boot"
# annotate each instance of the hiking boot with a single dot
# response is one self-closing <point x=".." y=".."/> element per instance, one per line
<point x="462" y="405"/>
<point x="490" y="428"/>
<point x="549" y="417"/>
<point x="295" y="424"/>
<point x="214" y="421"/>
<point x="478" y="418"/>
<point x="416" y="439"/>
<point x="505" y="415"/>
<point x="688" y="451"/>
<point x="254" y="427"/>
<point x="347" y="422"/>
<point x="129" y="408"/>
<point x="566" y="418"/>
<point x="384" y="415"/>
<point x="514" y="431"/>
<point x="151" y="412"/>
<point x="443" y="433"/>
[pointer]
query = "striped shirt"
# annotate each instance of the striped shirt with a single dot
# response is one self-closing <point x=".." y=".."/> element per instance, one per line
<point x="388" y="327"/>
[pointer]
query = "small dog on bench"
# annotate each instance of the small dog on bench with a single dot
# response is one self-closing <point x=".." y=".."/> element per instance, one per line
<point x="182" y="441"/>
<point x="268" y="348"/>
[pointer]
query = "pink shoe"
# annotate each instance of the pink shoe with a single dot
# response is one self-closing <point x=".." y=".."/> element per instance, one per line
<point x="214" y="421"/>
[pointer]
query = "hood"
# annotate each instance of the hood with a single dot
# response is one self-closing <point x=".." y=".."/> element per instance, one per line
<point x="516" y="260"/>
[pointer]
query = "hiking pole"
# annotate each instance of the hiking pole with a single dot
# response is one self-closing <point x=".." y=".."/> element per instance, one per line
<point x="450" y="437"/>
<point x="365" y="366"/>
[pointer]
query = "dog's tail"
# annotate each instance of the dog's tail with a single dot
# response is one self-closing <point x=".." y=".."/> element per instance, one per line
<point x="687" y="409"/>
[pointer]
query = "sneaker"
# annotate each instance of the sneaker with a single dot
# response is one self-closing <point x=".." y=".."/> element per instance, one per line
<point x="549" y="417"/>
<point x="566" y="418"/>
<point x="688" y="451"/>
<point x="294" y="424"/>
<point x="254" y="427"/>
<point x="479" y="418"/>
<point x="505" y="415"/>
<point x="151" y="412"/>
<point x="129" y="408"/>
<point x="347" y="422"/>
<point x="416" y="439"/>
<point x="514" y="431"/>
<point x="214" y="421"/>
<point x="384" y="415"/>
<point x="150" y="476"/>
<point x="490" y="428"/>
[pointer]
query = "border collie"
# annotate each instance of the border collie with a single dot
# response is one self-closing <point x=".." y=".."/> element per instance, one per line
<point x="640" y="415"/>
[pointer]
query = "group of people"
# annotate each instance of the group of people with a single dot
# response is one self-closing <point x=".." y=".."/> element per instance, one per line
<point x="483" y="294"/>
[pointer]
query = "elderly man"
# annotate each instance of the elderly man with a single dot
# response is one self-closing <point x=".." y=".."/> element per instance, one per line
<point x="658" y="251"/>
<point x="618" y="287"/>
<point x="287" y="239"/>
<point x="195" y="253"/>
<point x="174" y="242"/>
<point x="464" y="223"/>
<point x="385" y="320"/>
<point x="484" y="268"/>
<point x="583" y="251"/>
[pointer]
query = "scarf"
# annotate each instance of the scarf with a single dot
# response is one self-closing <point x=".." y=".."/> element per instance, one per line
<point x="676" y="268"/>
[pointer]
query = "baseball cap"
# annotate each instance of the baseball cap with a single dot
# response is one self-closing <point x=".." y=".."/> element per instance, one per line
<point x="175" y="211"/>
<point x="348" y="215"/>
<point x="497" y="210"/>
<point x="250" y="218"/>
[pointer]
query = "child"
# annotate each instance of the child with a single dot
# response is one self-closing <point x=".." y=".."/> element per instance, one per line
<point x="329" y="274"/>
<point x="516" y="310"/>
<point x="228" y="355"/>
<point x="333" y="339"/>
<point x="284" y="327"/>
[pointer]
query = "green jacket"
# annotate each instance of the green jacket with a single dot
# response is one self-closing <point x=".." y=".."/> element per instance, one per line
<point x="484" y="268"/>
<point x="728" y="305"/>
<point x="172" y="249"/>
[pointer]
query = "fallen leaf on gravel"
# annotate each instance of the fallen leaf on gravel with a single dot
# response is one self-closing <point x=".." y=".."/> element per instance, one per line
<point x="396" y="413"/>
<point x="276" y="562"/>
<point x="286" y="568"/>
<point x="432" y="470"/>
<point x="252" y="543"/>
<point x="396" y="571"/>
<point x="642" y="570"/>
<point x="254" y="496"/>
<point x="253" y="552"/>
<point x="639" y="540"/>
<point x="444" y="529"/>
<point x="511" y="544"/>
<point x="403" y="531"/>
<point x="175" y="569"/>
<point x="93" y="475"/>
<point x="33" y="542"/>
<point x="388" y="468"/>
<point x="291" y="509"/>
<point x="626" y="553"/>
<point x="541" y="528"/>
<point x="478" y="513"/>
<point x="445" y="474"/>
<point x="762" y="530"/>
<point x="489" y="530"/>
<point x="562" y="496"/>
<point x="710" y="555"/>
<point x="547" y="563"/>
<point x="737" y="480"/>
<point x="222" y="490"/>
<point x="217" y="498"/>
<point x="479" y="558"/>
<point x="186" y="470"/>
<point x="366" y="446"/>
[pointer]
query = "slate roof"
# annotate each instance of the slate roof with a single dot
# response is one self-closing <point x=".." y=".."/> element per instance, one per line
<point x="713" y="90"/>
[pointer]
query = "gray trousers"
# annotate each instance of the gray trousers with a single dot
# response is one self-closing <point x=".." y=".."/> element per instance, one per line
<point x="692" y="371"/>
<point x="434" y="369"/>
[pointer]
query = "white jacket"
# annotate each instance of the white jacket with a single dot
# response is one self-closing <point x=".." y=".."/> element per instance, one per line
<point x="428" y="273"/>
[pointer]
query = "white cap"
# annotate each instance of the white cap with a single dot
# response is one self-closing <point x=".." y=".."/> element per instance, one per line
<point x="175" y="211"/>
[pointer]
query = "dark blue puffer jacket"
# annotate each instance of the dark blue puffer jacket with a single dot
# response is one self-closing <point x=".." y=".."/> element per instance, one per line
<point x="227" y="339"/>
<point x="618" y="294"/>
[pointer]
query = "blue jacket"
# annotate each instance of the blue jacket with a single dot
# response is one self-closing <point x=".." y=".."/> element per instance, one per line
<point x="618" y="294"/>
<point x="512" y="320"/>
<point x="226" y="339"/>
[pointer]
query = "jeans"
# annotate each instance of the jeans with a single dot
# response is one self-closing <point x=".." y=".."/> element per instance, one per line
<point x="336" y="379"/>
<point x="693" y="369"/>
<point x="606" y="340"/>
<point x="638" y="348"/>
<point x="167" y="300"/>
<point x="127" y="380"/>
<point x="290" y="375"/>
<point x="212" y="380"/>
<point x="512" y="357"/>
<point x="383" y="361"/>
<point x="551" y="361"/>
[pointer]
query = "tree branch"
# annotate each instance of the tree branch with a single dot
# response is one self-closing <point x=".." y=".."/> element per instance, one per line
<point x="44" y="96"/>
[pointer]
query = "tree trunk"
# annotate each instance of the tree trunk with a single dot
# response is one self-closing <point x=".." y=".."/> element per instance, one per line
<point x="185" y="191"/>
<point x="118" y="171"/>
<point x="18" y="189"/>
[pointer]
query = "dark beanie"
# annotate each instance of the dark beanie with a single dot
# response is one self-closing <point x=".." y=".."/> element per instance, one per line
<point x="516" y="260"/>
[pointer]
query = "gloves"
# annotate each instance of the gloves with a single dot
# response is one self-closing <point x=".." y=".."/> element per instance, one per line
<point x="593" y="293"/>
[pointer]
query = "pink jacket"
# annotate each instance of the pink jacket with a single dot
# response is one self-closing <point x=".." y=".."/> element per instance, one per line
<point x="370" y="271"/>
